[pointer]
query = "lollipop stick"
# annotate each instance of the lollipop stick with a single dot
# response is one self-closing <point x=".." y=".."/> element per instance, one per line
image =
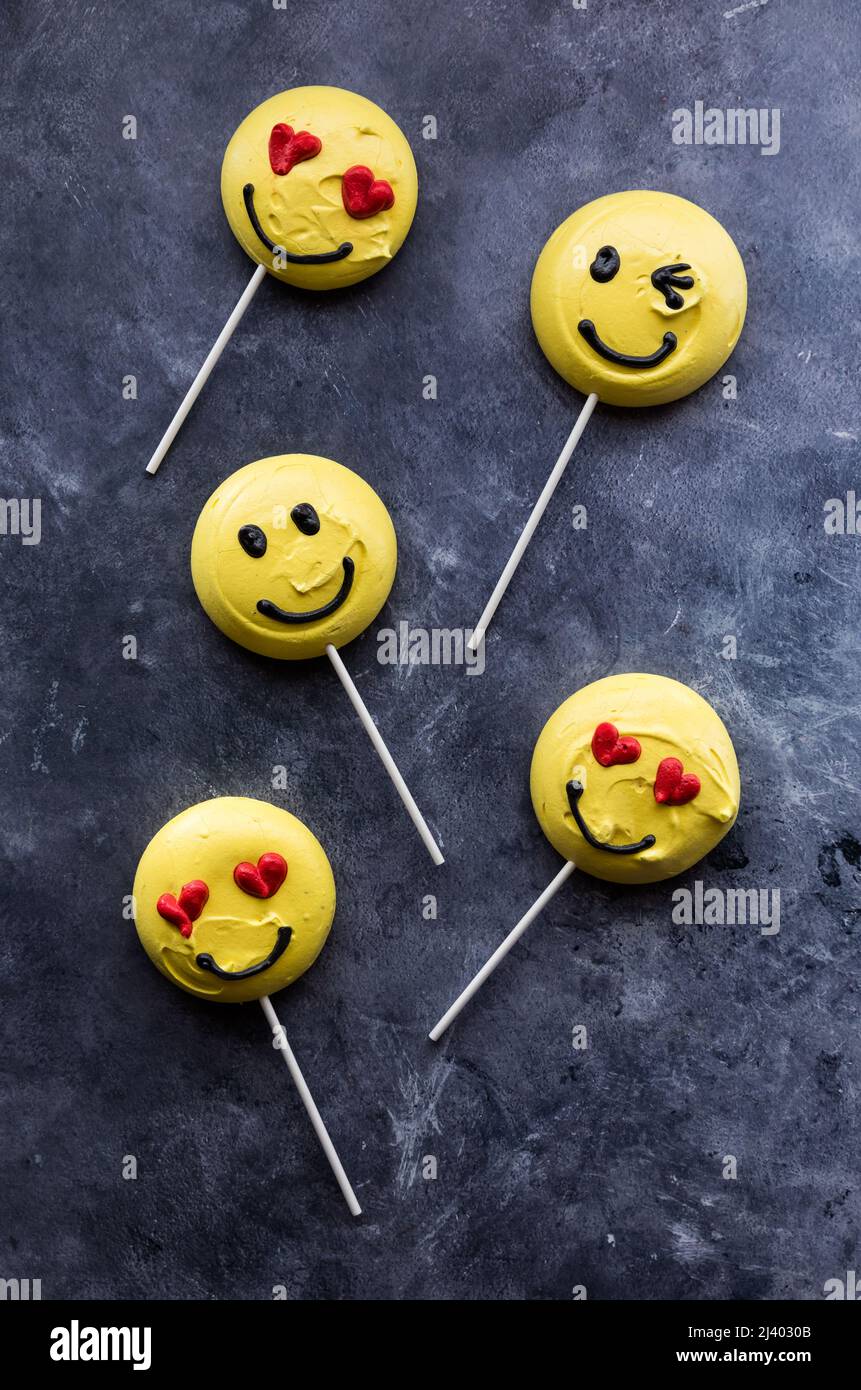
<point x="386" y="758"/>
<point x="308" y="1102"/>
<point x="197" y="385"/>
<point x="529" y="529"/>
<point x="501" y="952"/>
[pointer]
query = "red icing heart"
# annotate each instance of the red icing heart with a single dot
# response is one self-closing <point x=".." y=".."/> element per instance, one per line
<point x="674" y="786"/>
<point x="287" y="148"/>
<point x="192" y="900"/>
<point x="265" y="879"/>
<point x="609" y="748"/>
<point x="363" y="194"/>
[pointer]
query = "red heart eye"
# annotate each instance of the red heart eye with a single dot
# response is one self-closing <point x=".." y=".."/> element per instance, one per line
<point x="263" y="879"/>
<point x="192" y="900"/>
<point x="288" y="147"/>
<point x="674" y="786"/>
<point x="363" y="194"/>
<point x="608" y="748"/>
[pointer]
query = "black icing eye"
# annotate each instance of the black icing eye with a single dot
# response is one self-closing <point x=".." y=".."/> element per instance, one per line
<point x="253" y="541"/>
<point x="667" y="281"/>
<point x="605" y="264"/>
<point x="306" y="519"/>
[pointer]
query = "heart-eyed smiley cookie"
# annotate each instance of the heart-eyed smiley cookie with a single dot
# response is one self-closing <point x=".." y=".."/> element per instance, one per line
<point x="234" y="899"/>
<point x="292" y="553"/>
<point x="639" y="297"/>
<point x="320" y="186"/>
<point x="634" y="778"/>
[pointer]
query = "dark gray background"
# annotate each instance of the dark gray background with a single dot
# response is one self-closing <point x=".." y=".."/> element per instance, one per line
<point x="705" y="518"/>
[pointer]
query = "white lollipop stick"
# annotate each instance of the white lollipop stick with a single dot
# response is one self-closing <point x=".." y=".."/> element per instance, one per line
<point x="308" y="1102"/>
<point x="200" y="380"/>
<point x="501" y="952"/>
<point x="529" y="529"/>
<point x="386" y="758"/>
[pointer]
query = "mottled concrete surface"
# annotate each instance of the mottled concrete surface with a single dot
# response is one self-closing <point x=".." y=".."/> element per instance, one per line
<point x="555" y="1168"/>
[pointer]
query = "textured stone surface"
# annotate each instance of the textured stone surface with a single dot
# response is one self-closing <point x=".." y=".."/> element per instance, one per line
<point x="556" y="1168"/>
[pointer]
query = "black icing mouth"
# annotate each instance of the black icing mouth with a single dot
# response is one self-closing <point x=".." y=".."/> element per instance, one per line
<point x="575" y="791"/>
<point x="205" y="961"/>
<point x="271" y="610"/>
<point x="319" y="257"/>
<point x="587" y="330"/>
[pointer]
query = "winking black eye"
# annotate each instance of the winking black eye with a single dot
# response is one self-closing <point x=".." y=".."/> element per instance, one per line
<point x="605" y="264"/>
<point x="667" y="281"/>
<point x="253" y="541"/>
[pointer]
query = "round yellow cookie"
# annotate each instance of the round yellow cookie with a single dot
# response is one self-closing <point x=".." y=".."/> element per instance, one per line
<point x="291" y="553"/>
<point x="635" y="778"/>
<point x="639" y="297"/>
<point x="320" y="186"/>
<point x="233" y="899"/>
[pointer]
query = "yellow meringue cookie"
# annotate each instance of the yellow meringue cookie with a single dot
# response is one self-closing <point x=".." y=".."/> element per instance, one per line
<point x="639" y="297"/>
<point x="616" y="804"/>
<point x="237" y="945"/>
<point x="301" y="213"/>
<point x="291" y="553"/>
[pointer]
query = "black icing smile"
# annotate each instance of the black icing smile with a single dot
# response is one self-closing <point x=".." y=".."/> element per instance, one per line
<point x="587" y="330"/>
<point x="575" y="791"/>
<point x="205" y="961"/>
<point x="271" y="610"/>
<point x="319" y="258"/>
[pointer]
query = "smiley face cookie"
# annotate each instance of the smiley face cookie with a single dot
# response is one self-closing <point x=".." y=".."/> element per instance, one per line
<point x="234" y="899"/>
<point x="292" y="553"/>
<point x="635" y="779"/>
<point x="639" y="297"/>
<point x="320" y="186"/>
